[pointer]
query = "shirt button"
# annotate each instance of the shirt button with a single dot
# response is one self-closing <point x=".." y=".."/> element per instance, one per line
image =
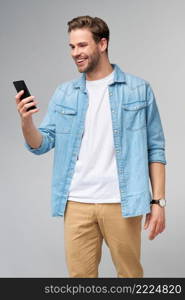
<point x="110" y="94"/>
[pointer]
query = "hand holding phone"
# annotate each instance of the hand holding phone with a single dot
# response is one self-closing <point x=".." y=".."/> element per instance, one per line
<point x="21" y="85"/>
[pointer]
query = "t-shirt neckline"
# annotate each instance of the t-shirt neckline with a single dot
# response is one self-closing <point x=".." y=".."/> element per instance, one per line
<point x="102" y="80"/>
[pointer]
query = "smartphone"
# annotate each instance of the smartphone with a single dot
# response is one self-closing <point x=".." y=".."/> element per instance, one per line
<point x="21" y="85"/>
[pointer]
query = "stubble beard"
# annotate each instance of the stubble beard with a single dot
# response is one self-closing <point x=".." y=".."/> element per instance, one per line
<point x="91" y="65"/>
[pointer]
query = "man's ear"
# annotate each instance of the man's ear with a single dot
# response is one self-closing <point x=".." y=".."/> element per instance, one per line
<point x="103" y="44"/>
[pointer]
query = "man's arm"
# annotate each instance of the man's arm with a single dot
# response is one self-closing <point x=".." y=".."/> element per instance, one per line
<point x="155" y="220"/>
<point x="41" y="140"/>
<point x="32" y="135"/>
<point x="155" y="133"/>
<point x="157" y="179"/>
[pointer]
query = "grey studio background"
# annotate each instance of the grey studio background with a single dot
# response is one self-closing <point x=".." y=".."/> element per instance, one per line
<point x="146" y="39"/>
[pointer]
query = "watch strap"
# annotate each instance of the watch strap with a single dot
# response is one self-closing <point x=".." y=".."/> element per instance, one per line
<point x="154" y="201"/>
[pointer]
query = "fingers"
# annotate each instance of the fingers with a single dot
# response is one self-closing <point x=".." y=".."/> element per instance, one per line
<point x="147" y="221"/>
<point x="152" y="228"/>
<point x="156" y="222"/>
<point x="160" y="228"/>
<point x="17" y="97"/>
<point x="20" y="103"/>
<point x="24" y="104"/>
<point x="25" y="114"/>
<point x="156" y="227"/>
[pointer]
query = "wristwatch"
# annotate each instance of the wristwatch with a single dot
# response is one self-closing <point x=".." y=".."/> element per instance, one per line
<point x="161" y="202"/>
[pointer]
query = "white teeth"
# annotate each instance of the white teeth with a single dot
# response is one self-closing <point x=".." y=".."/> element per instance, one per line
<point x="80" y="60"/>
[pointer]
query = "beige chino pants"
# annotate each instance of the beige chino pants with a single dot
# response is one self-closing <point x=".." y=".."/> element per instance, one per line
<point x="85" y="227"/>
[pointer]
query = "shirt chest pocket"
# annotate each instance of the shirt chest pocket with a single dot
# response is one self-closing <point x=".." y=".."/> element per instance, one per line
<point x="64" y="118"/>
<point x="134" y="115"/>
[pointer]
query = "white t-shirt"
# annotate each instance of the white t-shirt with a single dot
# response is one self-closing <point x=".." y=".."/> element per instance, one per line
<point x="95" y="179"/>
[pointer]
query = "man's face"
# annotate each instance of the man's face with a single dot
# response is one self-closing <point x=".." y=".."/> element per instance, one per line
<point x="85" y="52"/>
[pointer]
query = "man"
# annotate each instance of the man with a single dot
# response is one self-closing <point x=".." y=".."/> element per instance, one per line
<point x="107" y="135"/>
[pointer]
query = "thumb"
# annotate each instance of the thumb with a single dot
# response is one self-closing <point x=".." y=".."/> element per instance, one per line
<point x="147" y="221"/>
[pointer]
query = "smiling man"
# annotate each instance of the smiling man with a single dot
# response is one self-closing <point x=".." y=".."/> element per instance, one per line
<point x="89" y="58"/>
<point x="108" y="139"/>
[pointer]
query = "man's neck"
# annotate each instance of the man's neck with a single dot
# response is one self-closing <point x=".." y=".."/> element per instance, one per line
<point x="101" y="71"/>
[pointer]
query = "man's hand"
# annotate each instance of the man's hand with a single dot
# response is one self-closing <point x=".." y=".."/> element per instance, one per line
<point x="155" y="221"/>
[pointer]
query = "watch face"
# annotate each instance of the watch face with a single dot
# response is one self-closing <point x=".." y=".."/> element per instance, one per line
<point x="162" y="202"/>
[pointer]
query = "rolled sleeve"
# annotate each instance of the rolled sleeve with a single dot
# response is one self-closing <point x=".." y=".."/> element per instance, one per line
<point x="41" y="149"/>
<point x="155" y="132"/>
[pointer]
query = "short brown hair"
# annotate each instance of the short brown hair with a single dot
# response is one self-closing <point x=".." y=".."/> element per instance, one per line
<point x="97" y="26"/>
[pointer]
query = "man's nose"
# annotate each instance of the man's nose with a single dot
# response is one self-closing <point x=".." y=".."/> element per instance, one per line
<point x="76" y="53"/>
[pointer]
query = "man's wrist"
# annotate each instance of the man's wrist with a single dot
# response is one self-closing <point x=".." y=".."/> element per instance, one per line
<point x="161" y="202"/>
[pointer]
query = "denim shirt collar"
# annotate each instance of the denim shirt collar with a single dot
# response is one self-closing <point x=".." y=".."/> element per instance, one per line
<point x="119" y="76"/>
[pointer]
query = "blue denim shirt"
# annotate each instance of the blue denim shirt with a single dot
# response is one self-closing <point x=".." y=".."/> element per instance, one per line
<point x="137" y="133"/>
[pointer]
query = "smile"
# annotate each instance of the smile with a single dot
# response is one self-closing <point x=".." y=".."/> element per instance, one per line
<point x="80" y="61"/>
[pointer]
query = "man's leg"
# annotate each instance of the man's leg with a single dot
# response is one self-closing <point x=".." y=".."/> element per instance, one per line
<point x="82" y="239"/>
<point x="123" y="237"/>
